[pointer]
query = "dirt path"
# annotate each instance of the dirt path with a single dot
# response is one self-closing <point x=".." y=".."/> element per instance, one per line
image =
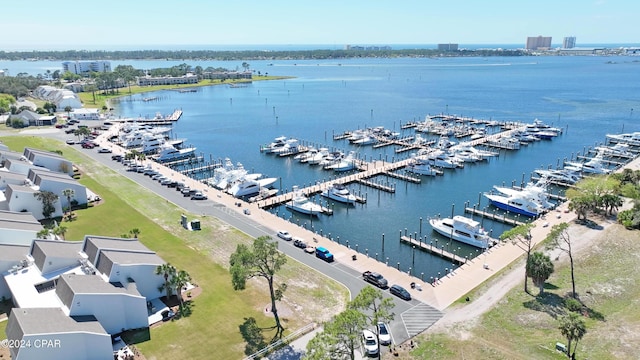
<point x="459" y="320"/>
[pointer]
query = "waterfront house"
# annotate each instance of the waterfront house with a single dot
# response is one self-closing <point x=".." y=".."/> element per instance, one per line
<point x="167" y="80"/>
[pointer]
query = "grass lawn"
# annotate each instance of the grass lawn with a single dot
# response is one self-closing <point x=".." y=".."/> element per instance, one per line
<point x="522" y="326"/>
<point x="219" y="310"/>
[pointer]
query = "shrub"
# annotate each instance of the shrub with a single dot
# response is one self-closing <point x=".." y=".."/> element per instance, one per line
<point x="573" y="304"/>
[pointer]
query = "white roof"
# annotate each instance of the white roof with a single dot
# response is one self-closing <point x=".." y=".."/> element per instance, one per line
<point x="25" y="295"/>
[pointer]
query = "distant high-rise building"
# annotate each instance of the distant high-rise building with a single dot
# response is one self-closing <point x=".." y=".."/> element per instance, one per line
<point x="569" y="42"/>
<point x="448" y="47"/>
<point x="86" y="67"/>
<point x="538" y="43"/>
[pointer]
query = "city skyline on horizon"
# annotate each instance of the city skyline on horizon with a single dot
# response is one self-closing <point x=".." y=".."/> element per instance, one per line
<point x="161" y="24"/>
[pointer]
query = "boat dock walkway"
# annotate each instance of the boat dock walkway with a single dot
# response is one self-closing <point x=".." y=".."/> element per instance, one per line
<point x="434" y="250"/>
<point x="372" y="169"/>
<point x="493" y="216"/>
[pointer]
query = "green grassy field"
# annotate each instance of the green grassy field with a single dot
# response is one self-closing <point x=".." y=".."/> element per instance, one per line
<point x="219" y="310"/>
<point x="522" y="326"/>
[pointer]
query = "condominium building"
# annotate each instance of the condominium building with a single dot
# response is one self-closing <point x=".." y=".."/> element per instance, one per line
<point x="538" y="43"/>
<point x="86" y="67"/>
<point x="569" y="42"/>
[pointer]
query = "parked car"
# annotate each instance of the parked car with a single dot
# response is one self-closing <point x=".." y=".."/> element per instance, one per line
<point x="69" y="131"/>
<point x="70" y="141"/>
<point x="384" y="337"/>
<point x="104" y="151"/>
<point x="88" y="145"/>
<point x="299" y="243"/>
<point x="375" y="279"/>
<point x="324" y="254"/>
<point x="188" y="191"/>
<point x="400" y="292"/>
<point x="116" y="157"/>
<point x="198" y="196"/>
<point x="369" y="342"/>
<point x="284" y="235"/>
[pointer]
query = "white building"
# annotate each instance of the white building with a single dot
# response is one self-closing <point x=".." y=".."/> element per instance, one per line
<point x="57" y="183"/>
<point x="61" y="98"/>
<point x="18" y="228"/>
<point x="168" y="80"/>
<point x="86" y="67"/>
<point x="23" y="199"/>
<point x="54" y="335"/>
<point x="118" y="307"/>
<point x="49" y="160"/>
<point x="85" y="114"/>
<point x="9" y="177"/>
<point x="10" y="258"/>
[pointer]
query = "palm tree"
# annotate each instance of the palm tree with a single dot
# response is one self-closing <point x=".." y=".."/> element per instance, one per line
<point x="42" y="234"/>
<point x="539" y="268"/>
<point x="573" y="328"/>
<point x="60" y="231"/>
<point x="134" y="232"/>
<point x="68" y="109"/>
<point x="168" y="271"/>
<point x="179" y="281"/>
<point x="69" y="193"/>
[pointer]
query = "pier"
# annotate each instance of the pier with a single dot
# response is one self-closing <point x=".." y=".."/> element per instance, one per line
<point x="433" y="250"/>
<point x="493" y="216"/>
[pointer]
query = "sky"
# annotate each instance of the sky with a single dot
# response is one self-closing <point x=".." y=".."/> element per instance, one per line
<point x="160" y="24"/>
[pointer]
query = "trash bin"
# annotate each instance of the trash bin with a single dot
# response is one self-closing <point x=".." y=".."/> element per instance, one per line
<point x="195" y="225"/>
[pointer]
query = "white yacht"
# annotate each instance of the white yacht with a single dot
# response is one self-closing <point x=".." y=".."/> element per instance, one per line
<point x="422" y="167"/>
<point x="300" y="203"/>
<point x="343" y="164"/>
<point x="316" y="159"/>
<point x="464" y="230"/>
<point x="168" y="153"/>
<point x="595" y="165"/>
<point x="340" y="193"/>
<point x="563" y="175"/>
<point x="530" y="201"/>
<point x="632" y="139"/>
<point x="249" y="187"/>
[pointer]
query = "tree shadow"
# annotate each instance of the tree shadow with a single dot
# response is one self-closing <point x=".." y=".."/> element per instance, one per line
<point x="549" y="286"/>
<point x="589" y="312"/>
<point x="555" y="305"/>
<point x="252" y="335"/>
<point x="549" y="303"/>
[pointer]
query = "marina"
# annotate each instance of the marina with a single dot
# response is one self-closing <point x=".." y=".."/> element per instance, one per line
<point x="312" y="107"/>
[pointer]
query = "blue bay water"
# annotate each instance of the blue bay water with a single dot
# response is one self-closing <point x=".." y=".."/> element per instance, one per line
<point x="587" y="96"/>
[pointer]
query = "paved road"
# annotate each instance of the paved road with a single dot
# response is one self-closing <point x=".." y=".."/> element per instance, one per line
<point x="411" y="317"/>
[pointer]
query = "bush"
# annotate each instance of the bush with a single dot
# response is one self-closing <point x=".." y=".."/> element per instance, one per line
<point x="572" y="304"/>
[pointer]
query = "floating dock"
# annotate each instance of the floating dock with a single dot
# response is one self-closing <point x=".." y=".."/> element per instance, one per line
<point x="493" y="216"/>
<point x="433" y="250"/>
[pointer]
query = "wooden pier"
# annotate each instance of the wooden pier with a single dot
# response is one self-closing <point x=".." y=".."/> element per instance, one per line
<point x="377" y="186"/>
<point x="433" y="250"/>
<point x="412" y="179"/>
<point x="495" y="217"/>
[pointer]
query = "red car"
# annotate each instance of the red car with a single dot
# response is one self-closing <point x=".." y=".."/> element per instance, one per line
<point x="88" y="145"/>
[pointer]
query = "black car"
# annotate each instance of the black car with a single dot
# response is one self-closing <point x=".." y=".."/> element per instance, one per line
<point x="400" y="292"/>
<point x="300" y="243"/>
<point x="116" y="157"/>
